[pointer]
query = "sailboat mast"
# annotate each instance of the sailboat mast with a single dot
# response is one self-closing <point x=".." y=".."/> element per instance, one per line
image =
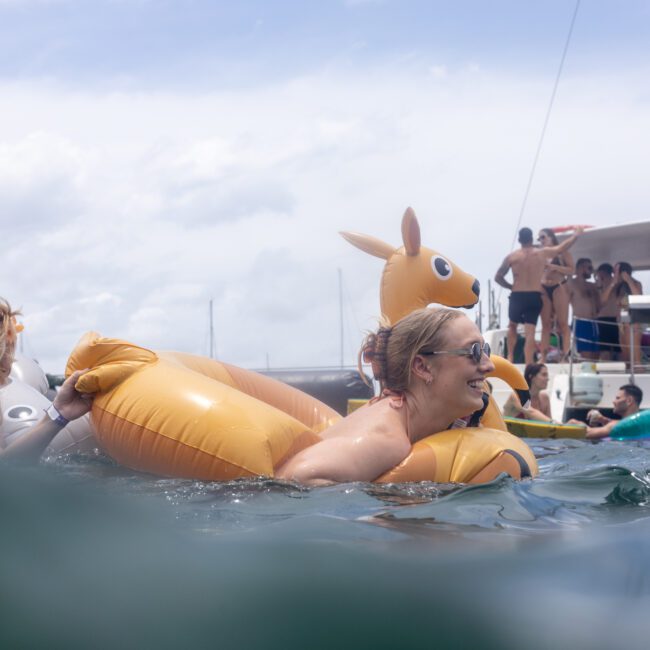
<point x="341" y="311"/>
<point x="211" y="330"/>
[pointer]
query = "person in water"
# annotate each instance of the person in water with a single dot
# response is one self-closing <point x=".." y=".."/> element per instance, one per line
<point x="536" y="376"/>
<point x="555" y="297"/>
<point x="68" y="404"/>
<point x="627" y="402"/>
<point x="527" y="264"/>
<point x="431" y="366"/>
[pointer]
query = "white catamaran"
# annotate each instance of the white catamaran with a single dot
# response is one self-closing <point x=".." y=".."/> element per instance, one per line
<point x="576" y="387"/>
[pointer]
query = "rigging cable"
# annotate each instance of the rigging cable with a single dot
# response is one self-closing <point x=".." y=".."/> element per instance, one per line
<point x="543" y="133"/>
<point x="546" y="120"/>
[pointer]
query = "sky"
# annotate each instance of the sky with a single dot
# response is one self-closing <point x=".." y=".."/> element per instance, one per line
<point x="159" y="154"/>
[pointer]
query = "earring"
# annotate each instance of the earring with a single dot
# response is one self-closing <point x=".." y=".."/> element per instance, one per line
<point x="428" y="381"/>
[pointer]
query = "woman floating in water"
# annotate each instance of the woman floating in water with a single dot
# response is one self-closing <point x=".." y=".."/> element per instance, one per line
<point x="536" y="375"/>
<point x="431" y="366"/>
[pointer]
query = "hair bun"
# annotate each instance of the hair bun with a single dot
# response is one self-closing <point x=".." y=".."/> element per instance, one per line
<point x="373" y="352"/>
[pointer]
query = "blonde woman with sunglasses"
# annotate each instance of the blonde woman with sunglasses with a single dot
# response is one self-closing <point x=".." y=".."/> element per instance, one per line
<point x="431" y="367"/>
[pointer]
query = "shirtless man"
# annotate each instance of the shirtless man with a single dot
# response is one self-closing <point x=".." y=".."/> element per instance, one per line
<point x="626" y="403"/>
<point x="585" y="303"/>
<point x="527" y="264"/>
<point x="608" y="311"/>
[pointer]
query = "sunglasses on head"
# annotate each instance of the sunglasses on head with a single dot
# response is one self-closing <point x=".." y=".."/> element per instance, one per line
<point x="475" y="352"/>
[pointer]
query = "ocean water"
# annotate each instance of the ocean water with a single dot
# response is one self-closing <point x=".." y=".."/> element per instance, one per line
<point x="96" y="556"/>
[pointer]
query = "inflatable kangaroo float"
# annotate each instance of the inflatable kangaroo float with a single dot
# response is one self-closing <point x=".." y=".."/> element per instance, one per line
<point x="415" y="276"/>
<point x="177" y="414"/>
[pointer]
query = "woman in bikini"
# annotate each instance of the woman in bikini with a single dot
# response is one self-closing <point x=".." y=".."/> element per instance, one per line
<point x="555" y="297"/>
<point x="431" y="366"/>
<point x="536" y="375"/>
<point x="623" y="286"/>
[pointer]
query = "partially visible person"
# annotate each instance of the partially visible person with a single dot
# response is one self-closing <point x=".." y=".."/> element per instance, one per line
<point x="68" y="404"/>
<point x="627" y="402"/>
<point x="536" y="375"/>
<point x="431" y="366"/>
<point x="630" y="335"/>
<point x="585" y="302"/>
<point x="555" y="297"/>
<point x="8" y="337"/>
<point x="527" y="265"/>
<point x="623" y="286"/>
<point x="607" y="315"/>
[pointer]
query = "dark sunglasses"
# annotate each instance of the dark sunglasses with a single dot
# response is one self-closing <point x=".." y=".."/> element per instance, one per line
<point x="475" y="352"/>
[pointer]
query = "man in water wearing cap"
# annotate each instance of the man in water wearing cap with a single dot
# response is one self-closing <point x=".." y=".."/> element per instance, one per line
<point x="527" y="265"/>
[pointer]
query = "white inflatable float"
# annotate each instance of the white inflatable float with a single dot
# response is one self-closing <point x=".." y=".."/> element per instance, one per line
<point x="23" y="401"/>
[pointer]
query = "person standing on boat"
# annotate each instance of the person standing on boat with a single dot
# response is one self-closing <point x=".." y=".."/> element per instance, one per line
<point x="555" y="297"/>
<point x="527" y="265"/>
<point x="627" y="402"/>
<point x="623" y="286"/>
<point x="607" y="313"/>
<point x="585" y="303"/>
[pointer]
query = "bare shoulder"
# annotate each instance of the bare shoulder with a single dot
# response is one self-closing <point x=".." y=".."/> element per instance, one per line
<point x="360" y="447"/>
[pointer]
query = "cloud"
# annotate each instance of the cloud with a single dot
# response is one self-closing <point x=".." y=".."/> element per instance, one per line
<point x="128" y="212"/>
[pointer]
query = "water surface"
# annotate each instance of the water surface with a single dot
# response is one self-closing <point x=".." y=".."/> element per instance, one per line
<point x="94" y="555"/>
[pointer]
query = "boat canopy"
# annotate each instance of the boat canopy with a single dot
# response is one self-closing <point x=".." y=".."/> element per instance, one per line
<point x="628" y="242"/>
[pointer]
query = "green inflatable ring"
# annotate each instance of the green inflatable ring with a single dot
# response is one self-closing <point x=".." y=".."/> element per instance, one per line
<point x="635" y="427"/>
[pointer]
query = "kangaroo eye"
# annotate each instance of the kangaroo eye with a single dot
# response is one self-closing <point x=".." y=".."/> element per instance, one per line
<point x="441" y="267"/>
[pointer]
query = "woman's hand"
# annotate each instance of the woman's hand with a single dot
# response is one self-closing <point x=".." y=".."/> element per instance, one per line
<point x="69" y="402"/>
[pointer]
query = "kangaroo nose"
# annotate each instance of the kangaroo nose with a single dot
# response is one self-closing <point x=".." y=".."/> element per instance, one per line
<point x="476" y="288"/>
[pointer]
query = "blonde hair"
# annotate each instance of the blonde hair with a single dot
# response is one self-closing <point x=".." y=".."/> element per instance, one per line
<point x="390" y="351"/>
<point x="7" y="325"/>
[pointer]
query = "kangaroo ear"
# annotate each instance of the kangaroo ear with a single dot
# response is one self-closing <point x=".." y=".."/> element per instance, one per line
<point x="369" y="244"/>
<point x="411" y="232"/>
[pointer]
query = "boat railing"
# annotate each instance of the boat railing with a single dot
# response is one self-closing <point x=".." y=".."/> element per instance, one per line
<point x="629" y="349"/>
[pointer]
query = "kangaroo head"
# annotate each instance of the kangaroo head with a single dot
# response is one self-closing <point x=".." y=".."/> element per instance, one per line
<point x="415" y="276"/>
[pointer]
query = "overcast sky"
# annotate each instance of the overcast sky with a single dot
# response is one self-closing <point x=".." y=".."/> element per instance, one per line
<point x="155" y="154"/>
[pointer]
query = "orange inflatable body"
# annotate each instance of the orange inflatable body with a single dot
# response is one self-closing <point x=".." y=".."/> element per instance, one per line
<point x="470" y="455"/>
<point x="156" y="413"/>
<point x="176" y="414"/>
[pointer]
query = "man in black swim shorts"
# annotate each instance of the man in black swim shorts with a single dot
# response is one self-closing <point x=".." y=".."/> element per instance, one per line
<point x="527" y="265"/>
<point x="525" y="307"/>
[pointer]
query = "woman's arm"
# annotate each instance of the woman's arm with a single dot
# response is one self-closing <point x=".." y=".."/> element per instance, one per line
<point x="513" y="408"/>
<point x="545" y="405"/>
<point x="554" y="251"/>
<point x="636" y="288"/>
<point x="343" y="459"/>
<point x="606" y="292"/>
<point x="69" y="403"/>
<point x="566" y="268"/>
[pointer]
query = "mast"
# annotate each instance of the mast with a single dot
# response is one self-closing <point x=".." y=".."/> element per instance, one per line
<point x="211" y="331"/>
<point x="340" y="273"/>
